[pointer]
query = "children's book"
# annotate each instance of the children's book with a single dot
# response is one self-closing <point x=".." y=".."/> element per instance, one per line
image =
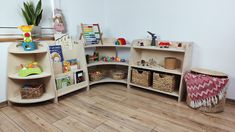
<point x="63" y="82"/>
<point x="78" y="77"/>
<point x="74" y="65"/>
<point x="56" y="53"/>
<point x="66" y="66"/>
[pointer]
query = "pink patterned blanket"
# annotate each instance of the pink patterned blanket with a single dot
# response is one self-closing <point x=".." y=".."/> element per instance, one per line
<point x="205" y="90"/>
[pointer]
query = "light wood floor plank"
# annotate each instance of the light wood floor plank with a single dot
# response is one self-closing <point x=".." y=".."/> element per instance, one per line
<point x="114" y="108"/>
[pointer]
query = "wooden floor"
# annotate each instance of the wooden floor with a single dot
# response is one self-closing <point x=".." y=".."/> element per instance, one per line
<point x="111" y="108"/>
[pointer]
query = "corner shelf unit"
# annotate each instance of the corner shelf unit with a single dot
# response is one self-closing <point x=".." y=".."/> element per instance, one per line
<point x="108" y="48"/>
<point x="147" y="52"/>
<point x="71" y="50"/>
<point x="17" y="56"/>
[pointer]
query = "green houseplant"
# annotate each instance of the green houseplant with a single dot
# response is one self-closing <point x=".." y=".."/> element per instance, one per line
<point x="31" y="14"/>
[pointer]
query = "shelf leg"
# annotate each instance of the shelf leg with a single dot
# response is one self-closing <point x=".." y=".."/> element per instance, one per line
<point x="55" y="100"/>
<point x="88" y="88"/>
<point x="9" y="103"/>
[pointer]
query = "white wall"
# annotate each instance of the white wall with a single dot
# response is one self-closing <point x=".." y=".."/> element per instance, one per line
<point x="10" y="14"/>
<point x="82" y="11"/>
<point x="208" y="23"/>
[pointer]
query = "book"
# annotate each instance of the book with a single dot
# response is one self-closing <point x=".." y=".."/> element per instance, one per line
<point x="56" y="53"/>
<point x="78" y="77"/>
<point x="63" y="82"/>
<point x="66" y="66"/>
<point x="70" y="65"/>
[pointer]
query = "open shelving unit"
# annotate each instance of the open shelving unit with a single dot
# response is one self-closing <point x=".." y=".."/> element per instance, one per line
<point x="108" y="48"/>
<point x="146" y="52"/>
<point x="17" y="56"/>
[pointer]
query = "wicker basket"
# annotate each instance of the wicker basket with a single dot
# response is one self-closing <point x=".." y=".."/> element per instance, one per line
<point x="141" y="77"/>
<point x="164" y="82"/>
<point x="95" y="76"/>
<point x="32" y="91"/>
<point x="171" y="63"/>
<point x="213" y="108"/>
<point x="118" y="75"/>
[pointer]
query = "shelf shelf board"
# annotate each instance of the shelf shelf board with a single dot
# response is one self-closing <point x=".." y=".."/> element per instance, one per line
<point x="175" y="93"/>
<point x="21" y="51"/>
<point x="42" y="75"/>
<point x="107" y="63"/>
<point x="44" y="97"/>
<point x="105" y="80"/>
<point x="67" y="73"/>
<point x="159" y="69"/>
<point x="160" y="49"/>
<point x="72" y="88"/>
<point x="107" y="45"/>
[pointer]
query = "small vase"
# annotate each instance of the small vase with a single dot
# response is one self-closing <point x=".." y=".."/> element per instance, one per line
<point x="37" y="31"/>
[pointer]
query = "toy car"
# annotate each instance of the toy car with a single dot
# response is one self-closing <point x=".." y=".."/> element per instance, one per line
<point x="164" y="44"/>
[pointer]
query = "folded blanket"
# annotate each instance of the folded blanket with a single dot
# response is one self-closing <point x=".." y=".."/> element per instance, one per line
<point x="205" y="90"/>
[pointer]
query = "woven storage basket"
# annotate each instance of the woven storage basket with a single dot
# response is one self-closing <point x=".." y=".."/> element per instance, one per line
<point x="96" y="76"/>
<point x="164" y="82"/>
<point x="32" y="91"/>
<point x="171" y="63"/>
<point x="213" y="108"/>
<point x="118" y="75"/>
<point x="141" y="77"/>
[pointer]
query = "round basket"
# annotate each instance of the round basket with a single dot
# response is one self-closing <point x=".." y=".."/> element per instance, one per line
<point x="96" y="76"/>
<point x="170" y="63"/>
<point x="118" y="75"/>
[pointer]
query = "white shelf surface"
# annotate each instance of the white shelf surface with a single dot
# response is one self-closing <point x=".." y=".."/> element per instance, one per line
<point x="67" y="73"/>
<point x="42" y="75"/>
<point x="159" y="69"/>
<point x="175" y="93"/>
<point x="105" y="80"/>
<point x="107" y="45"/>
<point x="20" y="50"/>
<point x="44" y="97"/>
<point x="72" y="88"/>
<point x="107" y="63"/>
<point x="160" y="49"/>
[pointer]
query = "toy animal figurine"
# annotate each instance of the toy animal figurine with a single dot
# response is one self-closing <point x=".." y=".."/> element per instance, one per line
<point x="28" y="43"/>
<point x="154" y="37"/>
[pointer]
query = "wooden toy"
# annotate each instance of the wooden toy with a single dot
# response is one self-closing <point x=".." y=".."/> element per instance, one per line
<point x="153" y="43"/>
<point x="92" y="58"/>
<point x="28" y="43"/>
<point x="120" y="41"/>
<point x="164" y="44"/>
<point x="29" y="69"/>
<point x="91" y="33"/>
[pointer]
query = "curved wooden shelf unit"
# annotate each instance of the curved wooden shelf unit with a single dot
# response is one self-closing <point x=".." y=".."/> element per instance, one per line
<point x="44" y="97"/>
<point x="107" y="63"/>
<point x="14" y="49"/>
<point x="159" y="69"/>
<point x="108" y="80"/>
<point x="160" y="49"/>
<point x="175" y="93"/>
<point x="107" y="45"/>
<point x="42" y="75"/>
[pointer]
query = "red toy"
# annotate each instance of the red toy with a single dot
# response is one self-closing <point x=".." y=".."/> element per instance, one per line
<point x="164" y="44"/>
<point x="120" y="41"/>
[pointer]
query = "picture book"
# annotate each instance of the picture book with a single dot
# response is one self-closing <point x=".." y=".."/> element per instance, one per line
<point x="74" y="65"/>
<point x="66" y="66"/>
<point x="56" y="53"/>
<point x="63" y="82"/>
<point x="78" y="77"/>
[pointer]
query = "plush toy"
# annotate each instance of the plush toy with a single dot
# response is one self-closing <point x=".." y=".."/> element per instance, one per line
<point x="28" y="43"/>
<point x="120" y="41"/>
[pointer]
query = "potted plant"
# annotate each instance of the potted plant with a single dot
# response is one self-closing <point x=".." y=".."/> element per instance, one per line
<point x="33" y="15"/>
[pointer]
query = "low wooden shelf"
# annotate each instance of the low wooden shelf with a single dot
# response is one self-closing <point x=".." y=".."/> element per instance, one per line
<point x="108" y="80"/>
<point x="107" y="63"/>
<point x="42" y="75"/>
<point x="45" y="97"/>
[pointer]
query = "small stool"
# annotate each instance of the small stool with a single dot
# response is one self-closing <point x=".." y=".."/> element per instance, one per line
<point x="206" y="90"/>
